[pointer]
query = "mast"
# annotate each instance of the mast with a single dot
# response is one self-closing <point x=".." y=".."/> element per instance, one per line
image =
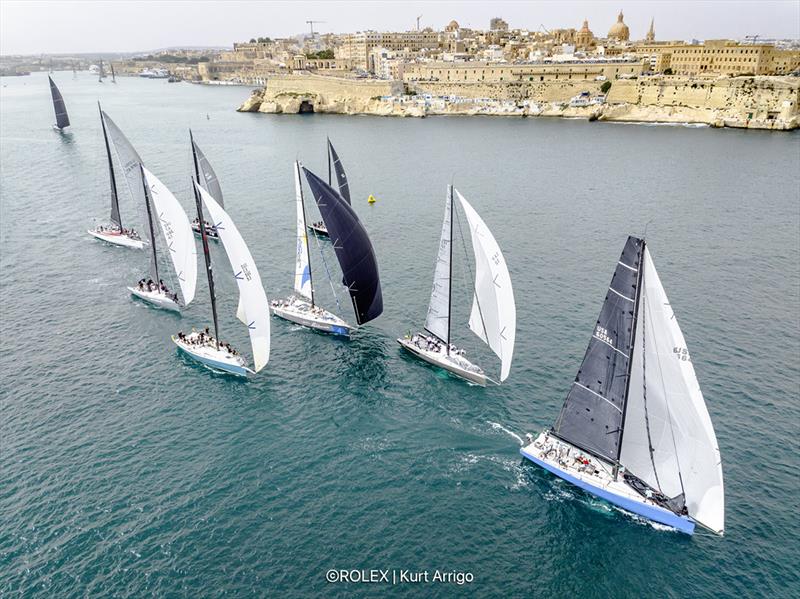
<point x="113" y="76"/>
<point x="207" y="256"/>
<point x="114" y="197"/>
<point x="329" y="160"/>
<point x="154" y="265"/>
<point x="450" y="275"/>
<point x="305" y="232"/>
<point x="194" y="157"/>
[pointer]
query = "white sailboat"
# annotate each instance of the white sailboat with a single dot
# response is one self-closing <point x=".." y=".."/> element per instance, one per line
<point x="494" y="315"/>
<point x="302" y="308"/>
<point x="634" y="429"/>
<point x="253" y="309"/>
<point x="179" y="242"/>
<point x="129" y="160"/>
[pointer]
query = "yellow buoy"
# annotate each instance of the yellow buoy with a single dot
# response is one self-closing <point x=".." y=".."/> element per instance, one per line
<point x="371" y="199"/>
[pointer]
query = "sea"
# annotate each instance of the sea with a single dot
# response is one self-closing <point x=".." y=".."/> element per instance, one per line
<point x="128" y="471"/>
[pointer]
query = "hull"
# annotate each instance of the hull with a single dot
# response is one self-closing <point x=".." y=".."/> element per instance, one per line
<point x="156" y="298"/>
<point x="560" y="458"/>
<point x="299" y="312"/>
<point x="210" y="232"/>
<point x="118" y="239"/>
<point x="320" y="230"/>
<point x="214" y="359"/>
<point x="463" y="369"/>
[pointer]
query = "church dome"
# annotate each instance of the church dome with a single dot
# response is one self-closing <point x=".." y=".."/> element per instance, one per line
<point x="619" y="30"/>
<point x="452" y="26"/>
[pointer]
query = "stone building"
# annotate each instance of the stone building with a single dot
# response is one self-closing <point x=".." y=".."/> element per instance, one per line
<point x="619" y="31"/>
<point x="584" y="38"/>
<point x="355" y="48"/>
<point x="651" y="33"/>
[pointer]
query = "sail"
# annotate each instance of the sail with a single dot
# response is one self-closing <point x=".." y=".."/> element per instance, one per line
<point x="302" y="270"/>
<point x="113" y="75"/>
<point x="341" y="177"/>
<point x="129" y="162"/>
<point x="62" y="118"/>
<point x="115" y="217"/>
<point x="591" y="417"/>
<point x="494" y="314"/>
<point x="438" y="319"/>
<point x="666" y="412"/>
<point x="353" y="249"/>
<point x="206" y="175"/>
<point x="253" y="305"/>
<point x="177" y="234"/>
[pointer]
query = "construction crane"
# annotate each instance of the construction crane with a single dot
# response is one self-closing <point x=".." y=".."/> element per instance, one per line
<point x="311" y="23"/>
<point x="752" y="38"/>
<point x="418" y="18"/>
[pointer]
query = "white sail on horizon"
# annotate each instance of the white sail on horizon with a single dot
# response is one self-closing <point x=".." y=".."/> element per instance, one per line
<point x="666" y="411"/>
<point x="302" y="271"/>
<point x="437" y="320"/>
<point x="253" y="309"/>
<point x="494" y="314"/>
<point x="177" y="233"/>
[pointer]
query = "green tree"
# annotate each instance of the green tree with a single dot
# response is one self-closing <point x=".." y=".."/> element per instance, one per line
<point x="668" y="71"/>
<point x="252" y="40"/>
<point x="605" y="87"/>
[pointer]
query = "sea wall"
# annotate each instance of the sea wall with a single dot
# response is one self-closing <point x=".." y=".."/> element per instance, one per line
<point x="747" y="102"/>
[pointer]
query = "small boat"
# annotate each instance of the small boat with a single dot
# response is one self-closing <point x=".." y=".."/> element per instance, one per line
<point x="253" y="309"/>
<point x="179" y="240"/>
<point x="62" y="118"/>
<point x="371" y="199"/>
<point x="494" y="315"/>
<point x="208" y="179"/>
<point x="302" y="308"/>
<point x="115" y="233"/>
<point x="334" y="166"/>
<point x="353" y="249"/>
<point x="319" y="228"/>
<point x="634" y="429"/>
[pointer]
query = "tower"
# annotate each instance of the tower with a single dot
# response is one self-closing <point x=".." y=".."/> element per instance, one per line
<point x="651" y="33"/>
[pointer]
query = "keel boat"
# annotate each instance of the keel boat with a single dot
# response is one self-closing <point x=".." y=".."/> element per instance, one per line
<point x="494" y="315"/>
<point x="302" y="308"/>
<point x="634" y="429"/>
<point x="62" y="118"/>
<point x="209" y="181"/>
<point x="334" y="166"/>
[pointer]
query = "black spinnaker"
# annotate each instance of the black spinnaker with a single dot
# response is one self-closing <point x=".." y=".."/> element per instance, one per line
<point x="62" y="118"/>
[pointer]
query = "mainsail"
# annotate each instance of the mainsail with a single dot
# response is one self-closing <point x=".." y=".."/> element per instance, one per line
<point x="177" y="234"/>
<point x="253" y="303"/>
<point x="437" y="321"/>
<point x="353" y="249"/>
<point x="592" y="414"/>
<point x="115" y="217"/>
<point x="62" y="118"/>
<point x="129" y="161"/>
<point x="302" y="271"/>
<point x="668" y="439"/>
<point x="494" y="314"/>
<point x="338" y="168"/>
<point x="205" y="174"/>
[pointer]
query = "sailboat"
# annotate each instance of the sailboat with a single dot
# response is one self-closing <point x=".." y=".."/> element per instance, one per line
<point x="129" y="160"/>
<point x="334" y="165"/>
<point x="494" y="315"/>
<point x="253" y="308"/>
<point x="62" y="118"/>
<point x="113" y="75"/>
<point x="101" y="73"/>
<point x="179" y="241"/>
<point x="353" y="249"/>
<point x="209" y="181"/>
<point x="634" y="429"/>
<point x="304" y="310"/>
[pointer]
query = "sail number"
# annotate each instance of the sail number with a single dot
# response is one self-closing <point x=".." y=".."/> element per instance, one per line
<point x="681" y="353"/>
<point x="602" y="335"/>
<point x="246" y="272"/>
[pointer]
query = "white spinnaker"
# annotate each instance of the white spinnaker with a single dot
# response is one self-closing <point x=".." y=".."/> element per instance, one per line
<point x="253" y="307"/>
<point x="438" y="318"/>
<point x="302" y="269"/>
<point x="684" y="444"/>
<point x="177" y="234"/>
<point x="494" y="314"/>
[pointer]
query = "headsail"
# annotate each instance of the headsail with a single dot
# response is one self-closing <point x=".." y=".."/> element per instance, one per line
<point x="302" y="271"/>
<point x="353" y="249"/>
<point x="591" y="417"/>
<point x="205" y="174"/>
<point x="438" y="318"/>
<point x="252" y="299"/>
<point x="494" y="314"/>
<point x="177" y="234"/>
<point x="666" y="412"/>
<point x="338" y="168"/>
<point x="62" y="118"/>
<point x="128" y="159"/>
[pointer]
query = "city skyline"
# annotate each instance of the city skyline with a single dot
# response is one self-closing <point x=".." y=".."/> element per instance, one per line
<point x="86" y="27"/>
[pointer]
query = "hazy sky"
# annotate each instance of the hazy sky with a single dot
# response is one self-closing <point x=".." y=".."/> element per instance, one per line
<point x="32" y="27"/>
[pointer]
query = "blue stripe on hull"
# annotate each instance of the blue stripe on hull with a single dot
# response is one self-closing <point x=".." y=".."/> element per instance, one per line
<point x="651" y="512"/>
<point x="214" y="364"/>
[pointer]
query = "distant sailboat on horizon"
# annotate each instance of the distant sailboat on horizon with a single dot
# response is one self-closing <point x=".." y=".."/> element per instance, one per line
<point x="62" y="118"/>
<point x="494" y="315"/>
<point x="101" y="72"/>
<point x="634" y="428"/>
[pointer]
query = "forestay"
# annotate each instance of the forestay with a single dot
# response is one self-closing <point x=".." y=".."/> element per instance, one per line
<point x="494" y="314"/>
<point x="437" y="322"/>
<point x="177" y="234"/>
<point x="253" y="306"/>
<point x="341" y="177"/>
<point x="208" y="176"/>
<point x="62" y="118"/>
<point x="666" y="412"/>
<point x="302" y="270"/>
<point x="128" y="159"/>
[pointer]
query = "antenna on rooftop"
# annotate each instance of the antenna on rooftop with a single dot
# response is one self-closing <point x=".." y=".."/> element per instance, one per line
<point x="311" y="23"/>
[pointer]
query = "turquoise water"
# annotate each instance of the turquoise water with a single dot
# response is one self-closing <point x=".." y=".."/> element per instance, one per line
<point x="128" y="471"/>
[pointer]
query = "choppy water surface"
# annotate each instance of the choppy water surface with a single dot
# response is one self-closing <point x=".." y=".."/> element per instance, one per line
<point x="127" y="471"/>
